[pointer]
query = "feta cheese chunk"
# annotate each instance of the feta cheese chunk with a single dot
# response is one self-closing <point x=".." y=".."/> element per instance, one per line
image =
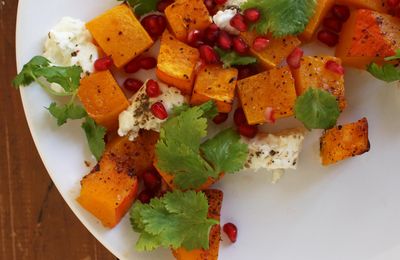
<point x="222" y="20"/>
<point x="138" y="115"/>
<point x="237" y="3"/>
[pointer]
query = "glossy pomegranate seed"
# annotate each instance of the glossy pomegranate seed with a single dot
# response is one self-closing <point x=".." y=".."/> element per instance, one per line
<point x="249" y="131"/>
<point x="163" y="4"/>
<point x="294" y="58"/>
<point x="208" y="54"/>
<point x="152" y="180"/>
<point x="334" y="67"/>
<point x="329" y="38"/>
<point x="133" y="84"/>
<point x="210" y="4"/>
<point x="154" y="24"/>
<point x="195" y="38"/>
<point x="224" y="40"/>
<point x="341" y="12"/>
<point x="211" y="34"/>
<point x="159" y="111"/>
<point x="145" y="196"/>
<point x="393" y="3"/>
<point x="220" y="2"/>
<point x="104" y="63"/>
<point x="152" y="88"/>
<point x="260" y="43"/>
<point x="220" y="118"/>
<point x="333" y="24"/>
<point x="252" y="15"/>
<point x="239" y="45"/>
<point x="269" y="115"/>
<point x="239" y="117"/>
<point x="231" y="231"/>
<point x="148" y="63"/>
<point x="238" y="22"/>
<point x="132" y="66"/>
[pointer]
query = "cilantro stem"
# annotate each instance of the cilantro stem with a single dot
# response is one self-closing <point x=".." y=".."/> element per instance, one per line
<point x="48" y="89"/>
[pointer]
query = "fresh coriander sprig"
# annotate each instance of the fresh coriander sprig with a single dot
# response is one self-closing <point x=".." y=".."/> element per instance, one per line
<point x="142" y="7"/>
<point x="387" y="72"/>
<point x="231" y="58"/>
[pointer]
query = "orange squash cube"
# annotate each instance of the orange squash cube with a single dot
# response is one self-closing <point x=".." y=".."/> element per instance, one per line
<point x="102" y="98"/>
<point x="215" y="83"/>
<point x="359" y="46"/>
<point x="322" y="9"/>
<point x="119" y="34"/>
<point x="177" y="63"/>
<point x="344" y="142"/>
<point x="186" y="15"/>
<point x="376" y="5"/>
<point x="278" y="49"/>
<point x="312" y="73"/>
<point x="271" y="89"/>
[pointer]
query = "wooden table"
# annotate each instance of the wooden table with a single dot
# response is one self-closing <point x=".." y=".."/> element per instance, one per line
<point x="35" y="222"/>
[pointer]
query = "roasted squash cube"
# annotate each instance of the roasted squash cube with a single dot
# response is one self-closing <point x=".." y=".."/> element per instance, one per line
<point x="215" y="83"/>
<point x="377" y="5"/>
<point x="215" y="198"/>
<point x="345" y="141"/>
<point x="119" y="34"/>
<point x="312" y="73"/>
<point x="102" y="98"/>
<point x="186" y="15"/>
<point x="176" y="63"/>
<point x="271" y="89"/>
<point x="322" y="9"/>
<point x="277" y="51"/>
<point x="368" y="36"/>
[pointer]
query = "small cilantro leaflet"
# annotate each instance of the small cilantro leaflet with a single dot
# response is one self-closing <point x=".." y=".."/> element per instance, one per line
<point x="387" y="72"/>
<point x="317" y="109"/>
<point x="231" y="58"/>
<point x="142" y="7"/>
<point x="95" y="137"/>
<point x="394" y="57"/>
<point x="27" y="74"/>
<point x="68" y="111"/>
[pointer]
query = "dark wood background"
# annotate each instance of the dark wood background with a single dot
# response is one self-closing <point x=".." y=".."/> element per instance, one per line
<point x="35" y="222"/>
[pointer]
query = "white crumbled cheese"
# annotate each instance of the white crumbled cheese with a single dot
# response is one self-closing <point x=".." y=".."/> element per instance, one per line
<point x="70" y="43"/>
<point x="138" y="115"/>
<point x="222" y="20"/>
<point x="237" y="3"/>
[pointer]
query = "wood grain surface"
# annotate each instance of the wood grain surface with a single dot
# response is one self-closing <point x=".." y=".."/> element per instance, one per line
<point x="35" y="222"/>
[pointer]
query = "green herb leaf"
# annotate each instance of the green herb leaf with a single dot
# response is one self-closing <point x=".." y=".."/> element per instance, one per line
<point x="27" y="74"/>
<point x="317" y="109"/>
<point x="142" y="7"/>
<point x="386" y="72"/>
<point x="282" y="17"/>
<point x="394" y="57"/>
<point x="179" y="219"/>
<point x="68" y="111"/>
<point x="67" y="77"/>
<point x="231" y="58"/>
<point x="95" y="137"/>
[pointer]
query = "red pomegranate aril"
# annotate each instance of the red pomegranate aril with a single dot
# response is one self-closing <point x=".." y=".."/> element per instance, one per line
<point x="341" y="12"/>
<point x="239" y="45"/>
<point x="104" y="63"/>
<point x="224" y="40"/>
<point x="210" y="4"/>
<point x="220" y="118"/>
<point x="152" y="88"/>
<point x="211" y="34"/>
<point x="220" y="2"/>
<point x="148" y="63"/>
<point x="145" y="196"/>
<point x="159" y="111"/>
<point x="208" y="54"/>
<point x="249" y="131"/>
<point x="195" y="38"/>
<point x="334" y="67"/>
<point x="239" y="117"/>
<point x="231" y="231"/>
<point x="133" y="84"/>
<point x="154" y="24"/>
<point x="393" y="3"/>
<point x="333" y="24"/>
<point x="133" y="66"/>
<point x="151" y="180"/>
<point x="329" y="38"/>
<point x="260" y="43"/>
<point x="270" y="115"/>
<point x="163" y="4"/>
<point x="238" y="22"/>
<point x="252" y="15"/>
<point x="294" y="58"/>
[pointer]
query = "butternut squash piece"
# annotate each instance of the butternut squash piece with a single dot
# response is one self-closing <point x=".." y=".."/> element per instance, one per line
<point x="322" y="9"/>
<point x="274" y="88"/>
<point x="368" y="36"/>
<point x="119" y="34"/>
<point x="376" y="5"/>
<point x="215" y="83"/>
<point x="312" y="73"/>
<point x="176" y="63"/>
<point x="102" y="98"/>
<point x="277" y="51"/>
<point x="186" y="15"/>
<point x="345" y="141"/>
<point x="215" y="198"/>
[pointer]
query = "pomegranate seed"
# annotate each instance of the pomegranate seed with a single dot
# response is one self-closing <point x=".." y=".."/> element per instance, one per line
<point x="333" y="24"/>
<point x="159" y="111"/>
<point x="133" y="84"/>
<point x="103" y="63"/>
<point x="152" y="180"/>
<point x="220" y="118"/>
<point x="148" y="63"/>
<point x="252" y="15"/>
<point x="152" y="88"/>
<point x="210" y="4"/>
<point x="154" y="24"/>
<point x="249" y="131"/>
<point x="328" y="38"/>
<point x="239" y="117"/>
<point x="195" y="38"/>
<point x="341" y="12"/>
<point x="163" y="4"/>
<point x="294" y="58"/>
<point x="239" y="23"/>
<point x="260" y="43"/>
<point x="224" y="40"/>
<point x="393" y="3"/>
<point x="220" y="2"/>
<point x="211" y="34"/>
<point x="231" y="231"/>
<point x="239" y="45"/>
<point x="145" y="196"/>
<point x="269" y="115"/>
<point x="208" y="54"/>
<point x="133" y="66"/>
<point x="334" y="67"/>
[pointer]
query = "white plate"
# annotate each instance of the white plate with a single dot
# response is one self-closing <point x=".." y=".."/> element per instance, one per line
<point x="349" y="211"/>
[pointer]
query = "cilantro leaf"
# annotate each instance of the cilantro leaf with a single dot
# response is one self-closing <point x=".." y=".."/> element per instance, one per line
<point x="317" y="109"/>
<point x="386" y="72"/>
<point x="209" y="109"/>
<point x="68" y="111"/>
<point x="95" y="137"/>
<point x="231" y="58"/>
<point x="179" y="219"/>
<point x="282" y="17"/>
<point x="394" y="57"/>
<point x="225" y="151"/>
<point x="27" y="74"/>
<point x="142" y="7"/>
<point x="67" y="77"/>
